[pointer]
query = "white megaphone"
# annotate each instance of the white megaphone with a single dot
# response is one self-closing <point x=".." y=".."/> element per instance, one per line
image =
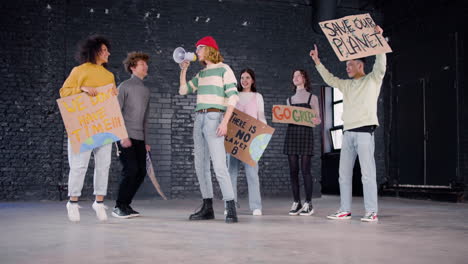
<point x="181" y="55"/>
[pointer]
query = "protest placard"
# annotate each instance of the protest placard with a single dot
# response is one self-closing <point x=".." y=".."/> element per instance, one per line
<point x="353" y="37"/>
<point x="301" y="116"/>
<point x="247" y="137"/>
<point x="92" y="121"/>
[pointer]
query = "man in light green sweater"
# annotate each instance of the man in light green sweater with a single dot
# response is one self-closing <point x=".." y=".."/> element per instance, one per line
<point x="360" y="94"/>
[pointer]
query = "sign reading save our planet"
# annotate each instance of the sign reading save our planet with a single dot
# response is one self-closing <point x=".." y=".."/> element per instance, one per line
<point x="354" y="37"/>
<point x="247" y="138"/>
<point x="92" y="121"/>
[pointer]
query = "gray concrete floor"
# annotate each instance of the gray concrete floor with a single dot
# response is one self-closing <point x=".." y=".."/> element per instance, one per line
<point x="409" y="231"/>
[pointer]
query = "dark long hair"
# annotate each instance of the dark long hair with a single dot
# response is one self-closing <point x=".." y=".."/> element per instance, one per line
<point x="90" y="48"/>
<point x="253" y="88"/>
<point x="306" y="79"/>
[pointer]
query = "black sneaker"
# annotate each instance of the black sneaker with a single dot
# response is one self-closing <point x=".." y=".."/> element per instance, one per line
<point x="295" y="208"/>
<point x="120" y="212"/>
<point x="131" y="211"/>
<point x="307" y="209"/>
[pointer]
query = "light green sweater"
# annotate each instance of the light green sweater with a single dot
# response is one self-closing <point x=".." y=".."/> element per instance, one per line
<point x="359" y="96"/>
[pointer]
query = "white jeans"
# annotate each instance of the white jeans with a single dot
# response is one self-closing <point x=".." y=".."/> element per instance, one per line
<point x="79" y="165"/>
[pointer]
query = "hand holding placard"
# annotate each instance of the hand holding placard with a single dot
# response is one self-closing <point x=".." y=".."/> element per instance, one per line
<point x="354" y="37"/>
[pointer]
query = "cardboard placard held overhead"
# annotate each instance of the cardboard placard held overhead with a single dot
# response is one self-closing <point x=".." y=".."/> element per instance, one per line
<point x="247" y="137"/>
<point x="301" y="116"/>
<point x="354" y="37"/>
<point x="92" y="121"/>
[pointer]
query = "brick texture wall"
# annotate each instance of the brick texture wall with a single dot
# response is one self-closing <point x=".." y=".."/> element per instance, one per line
<point x="37" y="48"/>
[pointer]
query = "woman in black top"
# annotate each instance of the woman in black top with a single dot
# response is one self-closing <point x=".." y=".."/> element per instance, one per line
<point x="299" y="144"/>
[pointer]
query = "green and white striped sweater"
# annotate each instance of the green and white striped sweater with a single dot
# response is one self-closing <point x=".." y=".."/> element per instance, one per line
<point x="216" y="87"/>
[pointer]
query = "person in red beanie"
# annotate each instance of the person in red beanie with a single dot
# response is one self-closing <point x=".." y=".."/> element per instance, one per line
<point x="217" y="95"/>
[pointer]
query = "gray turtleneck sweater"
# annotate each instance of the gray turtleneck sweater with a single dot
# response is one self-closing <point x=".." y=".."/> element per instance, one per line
<point x="134" y="102"/>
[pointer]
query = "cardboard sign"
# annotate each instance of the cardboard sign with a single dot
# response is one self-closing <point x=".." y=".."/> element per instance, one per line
<point x="92" y="121"/>
<point x="353" y="37"/>
<point x="247" y="138"/>
<point x="294" y="115"/>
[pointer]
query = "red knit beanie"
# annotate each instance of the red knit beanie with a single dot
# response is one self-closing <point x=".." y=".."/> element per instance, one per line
<point x="207" y="41"/>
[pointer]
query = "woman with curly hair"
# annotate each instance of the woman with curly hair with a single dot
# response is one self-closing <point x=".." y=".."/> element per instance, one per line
<point x="93" y="54"/>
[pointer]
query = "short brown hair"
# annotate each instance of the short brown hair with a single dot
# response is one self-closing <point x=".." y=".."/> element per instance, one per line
<point x="133" y="58"/>
<point x="213" y="55"/>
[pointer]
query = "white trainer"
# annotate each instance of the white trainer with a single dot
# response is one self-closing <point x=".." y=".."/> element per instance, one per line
<point x="73" y="211"/>
<point x="100" y="209"/>
<point x="257" y="212"/>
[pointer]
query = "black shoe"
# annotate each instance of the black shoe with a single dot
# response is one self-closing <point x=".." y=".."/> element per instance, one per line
<point x="121" y="212"/>
<point x="131" y="211"/>
<point x="295" y="208"/>
<point x="231" y="216"/>
<point x="206" y="211"/>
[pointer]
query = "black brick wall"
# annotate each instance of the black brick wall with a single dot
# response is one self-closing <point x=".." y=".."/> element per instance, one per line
<point x="37" y="48"/>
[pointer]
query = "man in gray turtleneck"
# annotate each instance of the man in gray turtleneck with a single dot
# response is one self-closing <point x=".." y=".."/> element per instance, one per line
<point x="134" y="102"/>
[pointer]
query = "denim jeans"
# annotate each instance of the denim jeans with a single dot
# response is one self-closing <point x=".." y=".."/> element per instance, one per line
<point x="358" y="144"/>
<point x="79" y="165"/>
<point x="207" y="144"/>
<point x="253" y="183"/>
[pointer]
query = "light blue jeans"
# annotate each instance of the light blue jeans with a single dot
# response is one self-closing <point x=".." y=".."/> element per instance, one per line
<point x="79" y="165"/>
<point x="359" y="144"/>
<point x="253" y="183"/>
<point x="207" y="144"/>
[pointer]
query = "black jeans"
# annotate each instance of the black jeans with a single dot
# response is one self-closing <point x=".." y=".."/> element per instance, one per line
<point x="133" y="161"/>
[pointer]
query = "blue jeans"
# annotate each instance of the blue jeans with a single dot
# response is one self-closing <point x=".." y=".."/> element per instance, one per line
<point x="358" y="144"/>
<point x="253" y="183"/>
<point x="207" y="144"/>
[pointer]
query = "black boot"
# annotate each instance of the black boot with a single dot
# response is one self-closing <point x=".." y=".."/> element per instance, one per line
<point x="206" y="211"/>
<point x="231" y="216"/>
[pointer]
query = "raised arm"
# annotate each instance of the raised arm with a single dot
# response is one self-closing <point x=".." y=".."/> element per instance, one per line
<point x="183" y="90"/>
<point x="329" y="78"/>
<point x="380" y="64"/>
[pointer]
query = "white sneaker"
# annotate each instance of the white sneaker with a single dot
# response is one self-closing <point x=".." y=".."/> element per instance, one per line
<point x="340" y="215"/>
<point x="307" y="209"/>
<point x="73" y="211"/>
<point x="100" y="209"/>
<point x="257" y="212"/>
<point x="370" y="217"/>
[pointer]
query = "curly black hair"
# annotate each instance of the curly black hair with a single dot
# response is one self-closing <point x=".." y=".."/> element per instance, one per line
<point x="89" y="49"/>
